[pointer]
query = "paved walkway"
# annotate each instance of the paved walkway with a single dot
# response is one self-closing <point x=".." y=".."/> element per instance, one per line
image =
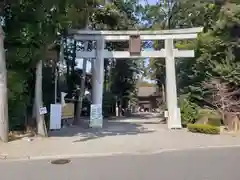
<point x="135" y="135"/>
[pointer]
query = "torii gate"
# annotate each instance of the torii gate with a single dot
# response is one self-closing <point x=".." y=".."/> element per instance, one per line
<point x="169" y="53"/>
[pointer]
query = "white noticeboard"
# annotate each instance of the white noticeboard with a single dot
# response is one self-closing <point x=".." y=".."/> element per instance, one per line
<point x="55" y="116"/>
<point x="96" y="119"/>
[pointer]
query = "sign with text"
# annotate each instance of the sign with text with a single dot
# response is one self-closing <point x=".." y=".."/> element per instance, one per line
<point x="43" y="110"/>
<point x="96" y="119"/>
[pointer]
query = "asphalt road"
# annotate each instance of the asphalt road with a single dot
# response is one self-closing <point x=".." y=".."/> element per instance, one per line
<point x="211" y="164"/>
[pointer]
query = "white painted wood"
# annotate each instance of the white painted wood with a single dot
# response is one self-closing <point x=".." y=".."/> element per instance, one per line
<point x="142" y="37"/>
<point x="183" y="53"/>
<point x="55" y="116"/>
<point x="168" y="36"/>
<point x="169" y="53"/>
<point x="98" y="78"/>
<point x="97" y="37"/>
<point x="137" y="32"/>
<point x="174" y="120"/>
<point x="144" y="54"/>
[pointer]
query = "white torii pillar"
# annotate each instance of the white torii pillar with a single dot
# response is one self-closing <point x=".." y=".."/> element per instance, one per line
<point x="98" y="73"/>
<point x="174" y="119"/>
<point x="98" y="79"/>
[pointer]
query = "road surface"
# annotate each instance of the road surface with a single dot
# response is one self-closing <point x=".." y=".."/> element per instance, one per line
<point x="208" y="164"/>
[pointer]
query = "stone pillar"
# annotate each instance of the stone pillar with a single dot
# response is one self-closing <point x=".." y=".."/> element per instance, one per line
<point x="174" y="119"/>
<point x="98" y="76"/>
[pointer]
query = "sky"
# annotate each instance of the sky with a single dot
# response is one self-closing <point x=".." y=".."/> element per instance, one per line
<point x="149" y="1"/>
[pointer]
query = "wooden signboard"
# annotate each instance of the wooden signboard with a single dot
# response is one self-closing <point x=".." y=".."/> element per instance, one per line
<point x="135" y="45"/>
<point x="68" y="111"/>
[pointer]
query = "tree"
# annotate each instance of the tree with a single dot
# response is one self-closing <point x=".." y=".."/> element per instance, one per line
<point x="3" y="91"/>
<point x="158" y="17"/>
<point x="39" y="24"/>
<point x="222" y="96"/>
<point x="42" y="24"/>
<point x="225" y="99"/>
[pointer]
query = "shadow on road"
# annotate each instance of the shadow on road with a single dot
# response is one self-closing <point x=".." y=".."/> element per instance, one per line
<point x="110" y="128"/>
<point x="131" y="125"/>
<point x="138" y="116"/>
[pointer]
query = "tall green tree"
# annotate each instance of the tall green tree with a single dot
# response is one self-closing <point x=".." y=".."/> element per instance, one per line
<point x="39" y="24"/>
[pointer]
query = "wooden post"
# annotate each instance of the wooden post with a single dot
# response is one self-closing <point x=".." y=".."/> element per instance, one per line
<point x="82" y="91"/>
<point x="83" y="78"/>
<point x="3" y="91"/>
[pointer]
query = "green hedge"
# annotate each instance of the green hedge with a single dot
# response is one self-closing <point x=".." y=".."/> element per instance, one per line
<point x="203" y="128"/>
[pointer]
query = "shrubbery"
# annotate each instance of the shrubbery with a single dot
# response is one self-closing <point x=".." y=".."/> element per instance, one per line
<point x="215" y="121"/>
<point x="189" y="111"/>
<point x="212" y="116"/>
<point x="203" y="128"/>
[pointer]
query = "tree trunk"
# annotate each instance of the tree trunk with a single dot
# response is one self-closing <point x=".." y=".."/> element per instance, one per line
<point x="41" y="127"/>
<point x="55" y="84"/>
<point x="56" y="77"/>
<point x="83" y="79"/>
<point x="82" y="92"/>
<point x="120" y="107"/>
<point x="3" y="91"/>
<point x="34" y="110"/>
<point x="109" y="77"/>
<point x="163" y="93"/>
<point x="106" y="75"/>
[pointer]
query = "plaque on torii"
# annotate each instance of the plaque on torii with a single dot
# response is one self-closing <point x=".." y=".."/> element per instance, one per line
<point x="135" y="45"/>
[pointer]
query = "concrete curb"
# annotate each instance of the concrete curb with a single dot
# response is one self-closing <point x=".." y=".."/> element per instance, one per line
<point x="6" y="158"/>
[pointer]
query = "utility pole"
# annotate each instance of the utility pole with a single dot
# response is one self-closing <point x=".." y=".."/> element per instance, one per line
<point x="41" y="126"/>
<point x="3" y="91"/>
